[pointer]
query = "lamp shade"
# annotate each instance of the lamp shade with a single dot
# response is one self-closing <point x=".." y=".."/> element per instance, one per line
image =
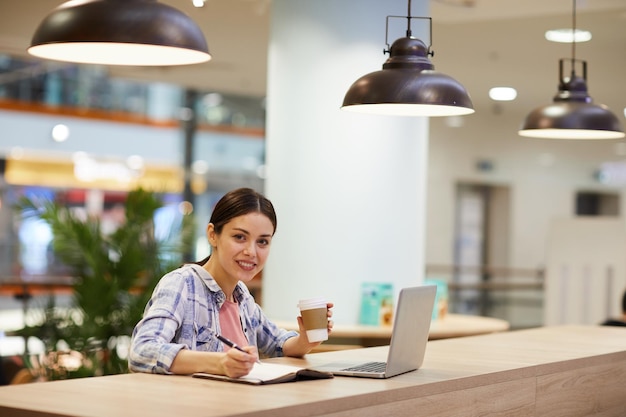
<point x="572" y="115"/>
<point x="572" y="121"/>
<point x="408" y="85"/>
<point x="119" y="32"/>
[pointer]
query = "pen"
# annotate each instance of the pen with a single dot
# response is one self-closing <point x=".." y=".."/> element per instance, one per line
<point x="232" y="344"/>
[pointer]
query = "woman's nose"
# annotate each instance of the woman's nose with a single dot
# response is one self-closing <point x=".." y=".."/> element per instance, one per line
<point x="248" y="250"/>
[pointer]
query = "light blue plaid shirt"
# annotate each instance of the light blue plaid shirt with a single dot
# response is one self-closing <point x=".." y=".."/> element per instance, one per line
<point x="183" y="313"/>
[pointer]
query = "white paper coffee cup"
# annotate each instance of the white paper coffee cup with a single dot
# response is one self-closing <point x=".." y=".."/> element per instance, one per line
<point x="314" y="316"/>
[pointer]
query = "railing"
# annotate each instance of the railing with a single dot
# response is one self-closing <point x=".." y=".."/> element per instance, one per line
<point x="512" y="294"/>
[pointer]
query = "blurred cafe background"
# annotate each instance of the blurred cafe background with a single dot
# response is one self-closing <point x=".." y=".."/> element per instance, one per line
<point x="498" y="207"/>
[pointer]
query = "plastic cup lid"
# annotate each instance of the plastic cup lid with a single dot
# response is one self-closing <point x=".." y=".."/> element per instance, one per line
<point x="312" y="302"/>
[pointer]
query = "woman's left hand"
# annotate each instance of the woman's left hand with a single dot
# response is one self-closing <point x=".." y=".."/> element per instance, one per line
<point x="300" y="345"/>
<point x="329" y="314"/>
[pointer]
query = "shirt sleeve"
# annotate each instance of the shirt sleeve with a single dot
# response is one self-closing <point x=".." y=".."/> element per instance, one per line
<point x="151" y="349"/>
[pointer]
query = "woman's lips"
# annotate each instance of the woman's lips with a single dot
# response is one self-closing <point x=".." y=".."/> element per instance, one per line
<point x="248" y="266"/>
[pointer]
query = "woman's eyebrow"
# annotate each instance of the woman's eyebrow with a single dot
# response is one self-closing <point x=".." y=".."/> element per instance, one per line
<point x="239" y="229"/>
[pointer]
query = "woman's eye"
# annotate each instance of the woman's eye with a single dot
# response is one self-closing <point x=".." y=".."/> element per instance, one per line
<point x="239" y="237"/>
<point x="264" y="242"/>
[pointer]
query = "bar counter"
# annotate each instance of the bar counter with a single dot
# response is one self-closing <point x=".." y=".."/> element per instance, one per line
<point x="548" y="371"/>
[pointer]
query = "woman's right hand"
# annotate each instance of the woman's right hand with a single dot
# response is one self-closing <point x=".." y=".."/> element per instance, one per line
<point x="232" y="363"/>
<point x="236" y="363"/>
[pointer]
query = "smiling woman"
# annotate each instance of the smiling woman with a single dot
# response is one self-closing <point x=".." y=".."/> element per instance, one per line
<point x="196" y="304"/>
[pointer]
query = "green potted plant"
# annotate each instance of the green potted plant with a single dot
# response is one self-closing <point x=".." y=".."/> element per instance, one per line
<point x="114" y="275"/>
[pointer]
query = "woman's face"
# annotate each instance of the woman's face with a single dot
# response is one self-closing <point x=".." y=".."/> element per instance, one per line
<point x="242" y="247"/>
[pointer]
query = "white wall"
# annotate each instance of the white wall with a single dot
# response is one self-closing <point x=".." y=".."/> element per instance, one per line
<point x="586" y="270"/>
<point x="543" y="177"/>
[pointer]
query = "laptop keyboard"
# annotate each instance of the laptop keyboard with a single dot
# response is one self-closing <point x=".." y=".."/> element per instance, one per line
<point x="368" y="367"/>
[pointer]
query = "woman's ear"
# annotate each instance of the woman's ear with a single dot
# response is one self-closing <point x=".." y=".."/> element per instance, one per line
<point x="211" y="234"/>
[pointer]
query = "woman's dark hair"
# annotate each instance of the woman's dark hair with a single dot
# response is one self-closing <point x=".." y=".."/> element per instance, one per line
<point x="239" y="202"/>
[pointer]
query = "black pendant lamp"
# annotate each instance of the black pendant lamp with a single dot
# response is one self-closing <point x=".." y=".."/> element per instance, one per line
<point x="119" y="32"/>
<point x="572" y="114"/>
<point x="408" y="85"/>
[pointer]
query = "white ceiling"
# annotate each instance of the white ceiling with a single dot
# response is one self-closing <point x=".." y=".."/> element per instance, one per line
<point x="481" y="43"/>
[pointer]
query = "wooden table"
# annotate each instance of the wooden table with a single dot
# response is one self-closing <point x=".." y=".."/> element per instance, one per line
<point x="564" y="371"/>
<point x="459" y="325"/>
<point x="451" y="325"/>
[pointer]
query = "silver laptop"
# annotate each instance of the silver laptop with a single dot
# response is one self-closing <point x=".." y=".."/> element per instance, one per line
<point x="408" y="338"/>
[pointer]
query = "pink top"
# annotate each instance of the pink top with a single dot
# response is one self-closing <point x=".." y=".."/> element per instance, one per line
<point x="230" y="324"/>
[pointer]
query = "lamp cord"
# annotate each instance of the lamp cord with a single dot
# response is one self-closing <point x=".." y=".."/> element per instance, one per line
<point x="573" y="36"/>
<point x="408" y="21"/>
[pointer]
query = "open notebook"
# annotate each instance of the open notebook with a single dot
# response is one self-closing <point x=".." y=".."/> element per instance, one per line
<point x="265" y="373"/>
<point x="408" y="338"/>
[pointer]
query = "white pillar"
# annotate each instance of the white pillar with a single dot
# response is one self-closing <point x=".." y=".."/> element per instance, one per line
<point x="348" y="189"/>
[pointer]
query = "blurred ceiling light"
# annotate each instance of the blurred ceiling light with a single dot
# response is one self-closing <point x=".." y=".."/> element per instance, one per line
<point x="572" y="113"/>
<point x="568" y="36"/>
<point x="135" y="162"/>
<point x="212" y="99"/>
<point x="502" y="93"/>
<point x="198" y="3"/>
<point x="200" y="167"/>
<point x="216" y="115"/>
<point x="60" y="133"/>
<point x="185" y="208"/>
